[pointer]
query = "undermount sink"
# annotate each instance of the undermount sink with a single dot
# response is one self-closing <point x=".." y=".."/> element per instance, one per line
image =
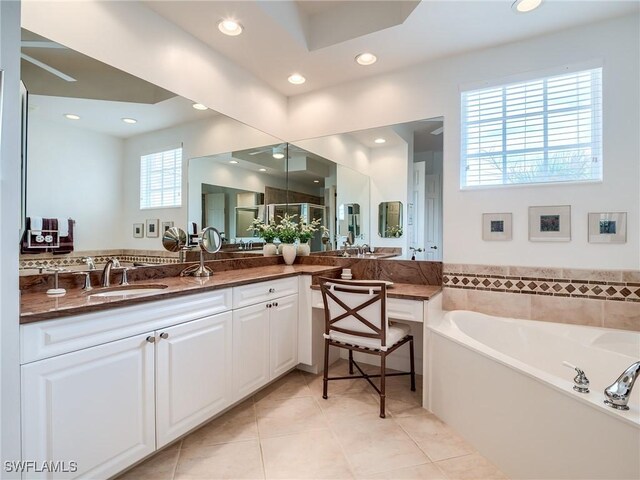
<point x="127" y="290"/>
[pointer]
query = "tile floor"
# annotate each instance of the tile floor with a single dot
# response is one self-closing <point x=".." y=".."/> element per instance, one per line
<point x="288" y="431"/>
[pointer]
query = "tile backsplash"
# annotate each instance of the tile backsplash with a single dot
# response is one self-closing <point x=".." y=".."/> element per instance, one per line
<point x="603" y="298"/>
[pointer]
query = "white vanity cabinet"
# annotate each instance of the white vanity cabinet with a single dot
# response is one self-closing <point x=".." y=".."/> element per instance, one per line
<point x="193" y="374"/>
<point x="265" y="334"/>
<point x="94" y="407"/>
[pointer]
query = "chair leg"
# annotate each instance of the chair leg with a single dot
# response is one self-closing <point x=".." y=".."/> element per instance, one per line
<point x="413" y="366"/>
<point x="350" y="362"/>
<point x="382" y="385"/>
<point x="325" y="374"/>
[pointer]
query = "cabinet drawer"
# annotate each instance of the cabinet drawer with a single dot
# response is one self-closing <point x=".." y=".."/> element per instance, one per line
<point x="54" y="337"/>
<point x="262" y="291"/>
<point x="400" y="309"/>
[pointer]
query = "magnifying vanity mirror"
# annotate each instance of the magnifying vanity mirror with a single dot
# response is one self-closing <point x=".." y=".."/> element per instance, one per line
<point x="390" y="219"/>
<point x="210" y="241"/>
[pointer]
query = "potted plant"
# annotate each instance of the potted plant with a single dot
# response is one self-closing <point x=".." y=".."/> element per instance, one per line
<point x="266" y="231"/>
<point x="288" y="233"/>
<point x="307" y="231"/>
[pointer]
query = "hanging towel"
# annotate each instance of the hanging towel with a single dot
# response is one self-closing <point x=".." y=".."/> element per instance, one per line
<point x="63" y="227"/>
<point x="66" y="241"/>
<point x="36" y="225"/>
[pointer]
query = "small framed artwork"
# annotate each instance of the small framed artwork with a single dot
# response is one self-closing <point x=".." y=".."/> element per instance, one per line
<point x="550" y="224"/>
<point x="138" y="230"/>
<point x="609" y="227"/>
<point x="496" y="226"/>
<point x="166" y="226"/>
<point x="152" y="227"/>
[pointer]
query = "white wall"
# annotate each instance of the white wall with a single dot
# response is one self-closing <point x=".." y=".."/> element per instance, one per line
<point x="137" y="40"/>
<point x="211" y="136"/>
<point x="9" y="234"/>
<point x="433" y="89"/>
<point x="75" y="172"/>
<point x="342" y="149"/>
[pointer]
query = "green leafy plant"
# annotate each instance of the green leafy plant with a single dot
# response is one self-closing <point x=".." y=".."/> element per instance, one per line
<point x="267" y="231"/>
<point x="394" y="231"/>
<point x="308" y="229"/>
<point x="287" y="229"/>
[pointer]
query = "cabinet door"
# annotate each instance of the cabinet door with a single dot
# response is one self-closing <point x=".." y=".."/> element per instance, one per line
<point x="284" y="335"/>
<point x="193" y="374"/>
<point x="94" y="407"/>
<point x="250" y="349"/>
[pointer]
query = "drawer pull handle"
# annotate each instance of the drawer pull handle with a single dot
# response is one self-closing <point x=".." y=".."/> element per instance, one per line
<point x="272" y="290"/>
<point x="268" y="305"/>
<point x="164" y="335"/>
<point x="151" y="339"/>
<point x="275" y="304"/>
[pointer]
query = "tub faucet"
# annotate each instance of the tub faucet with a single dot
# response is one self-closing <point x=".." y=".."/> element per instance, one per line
<point x="618" y="392"/>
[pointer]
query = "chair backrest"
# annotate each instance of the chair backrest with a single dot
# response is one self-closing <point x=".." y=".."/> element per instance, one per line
<point x="355" y="308"/>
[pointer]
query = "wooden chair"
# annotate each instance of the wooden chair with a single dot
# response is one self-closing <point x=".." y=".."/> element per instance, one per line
<point x="356" y="319"/>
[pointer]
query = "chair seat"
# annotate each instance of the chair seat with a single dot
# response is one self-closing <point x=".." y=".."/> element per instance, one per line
<point x="395" y="333"/>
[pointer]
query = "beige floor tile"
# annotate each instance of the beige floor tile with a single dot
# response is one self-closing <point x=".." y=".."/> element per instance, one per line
<point x="400" y="408"/>
<point x="225" y="461"/>
<point x="426" y="471"/>
<point x="159" y="467"/>
<point x="289" y="415"/>
<point x="470" y="467"/>
<point x="350" y="408"/>
<point x="377" y="447"/>
<point x="236" y="425"/>
<point x="337" y="387"/>
<point x="434" y="437"/>
<point x="313" y="454"/>
<point x="291" y="385"/>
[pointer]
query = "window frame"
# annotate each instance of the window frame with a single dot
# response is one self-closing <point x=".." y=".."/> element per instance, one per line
<point x="542" y="75"/>
<point x="181" y="163"/>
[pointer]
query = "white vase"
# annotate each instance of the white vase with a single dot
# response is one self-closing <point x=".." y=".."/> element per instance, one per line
<point x="269" y="249"/>
<point x="304" y="249"/>
<point x="288" y="253"/>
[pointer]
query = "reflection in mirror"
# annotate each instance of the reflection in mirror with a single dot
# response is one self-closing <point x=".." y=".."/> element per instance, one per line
<point x="89" y="128"/>
<point x="390" y="219"/>
<point x="349" y="219"/>
<point x="233" y="189"/>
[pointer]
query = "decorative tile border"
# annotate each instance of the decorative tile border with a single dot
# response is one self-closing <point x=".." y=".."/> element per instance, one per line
<point x="536" y="285"/>
<point x="29" y="262"/>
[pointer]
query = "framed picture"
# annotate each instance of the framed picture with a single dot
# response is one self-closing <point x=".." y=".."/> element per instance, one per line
<point x="496" y="226"/>
<point x="166" y="226"/>
<point x="152" y="227"/>
<point x="138" y="230"/>
<point x="609" y="227"/>
<point x="550" y="224"/>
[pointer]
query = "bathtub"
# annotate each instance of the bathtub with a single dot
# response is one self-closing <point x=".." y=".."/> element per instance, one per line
<point x="501" y="384"/>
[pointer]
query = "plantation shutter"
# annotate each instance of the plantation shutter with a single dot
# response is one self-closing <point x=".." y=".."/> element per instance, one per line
<point x="161" y="179"/>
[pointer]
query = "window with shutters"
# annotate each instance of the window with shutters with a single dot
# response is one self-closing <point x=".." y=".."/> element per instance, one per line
<point x="161" y="179"/>
<point x="539" y="131"/>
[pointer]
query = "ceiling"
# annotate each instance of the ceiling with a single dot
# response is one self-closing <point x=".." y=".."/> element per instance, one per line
<point x="320" y="39"/>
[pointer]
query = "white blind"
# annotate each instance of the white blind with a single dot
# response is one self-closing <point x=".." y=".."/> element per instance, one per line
<point x="161" y="179"/>
<point x="539" y="131"/>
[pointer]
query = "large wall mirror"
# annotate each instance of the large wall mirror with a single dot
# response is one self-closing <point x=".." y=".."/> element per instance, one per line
<point x="89" y="124"/>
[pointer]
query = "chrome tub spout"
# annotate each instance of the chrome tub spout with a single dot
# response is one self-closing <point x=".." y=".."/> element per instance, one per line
<point x="618" y="392"/>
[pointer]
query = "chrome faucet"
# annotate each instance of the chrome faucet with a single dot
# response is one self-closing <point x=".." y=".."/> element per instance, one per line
<point x="106" y="272"/>
<point x="618" y="392"/>
<point x="90" y="263"/>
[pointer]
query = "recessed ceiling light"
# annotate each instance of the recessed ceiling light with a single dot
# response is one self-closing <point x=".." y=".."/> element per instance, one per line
<point x="296" y="79"/>
<point x="233" y="161"/>
<point x="199" y="106"/>
<point x="366" y="58"/>
<point x="230" y="27"/>
<point x="316" y="181"/>
<point x="262" y="169"/>
<point x="525" y="6"/>
<point x="130" y="120"/>
<point x="278" y="155"/>
<point x="71" y="116"/>
<point x="379" y="140"/>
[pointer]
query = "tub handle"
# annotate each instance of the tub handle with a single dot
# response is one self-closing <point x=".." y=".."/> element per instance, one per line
<point x="580" y="381"/>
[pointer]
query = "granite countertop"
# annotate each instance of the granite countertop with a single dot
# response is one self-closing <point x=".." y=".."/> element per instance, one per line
<point x="407" y="291"/>
<point x="38" y="306"/>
